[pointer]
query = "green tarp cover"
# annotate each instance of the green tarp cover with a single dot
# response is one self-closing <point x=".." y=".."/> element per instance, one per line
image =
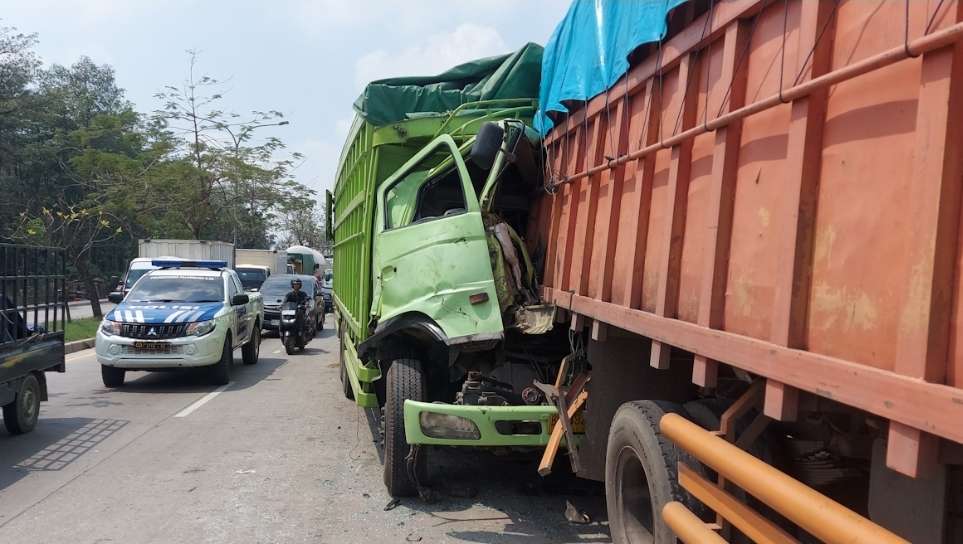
<point x="508" y="76"/>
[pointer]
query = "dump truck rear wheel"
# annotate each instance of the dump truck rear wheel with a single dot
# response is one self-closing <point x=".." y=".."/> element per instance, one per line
<point x="640" y="473"/>
<point x="405" y="380"/>
<point x="20" y="416"/>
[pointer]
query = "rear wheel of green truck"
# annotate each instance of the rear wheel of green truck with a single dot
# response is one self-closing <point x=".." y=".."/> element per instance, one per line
<point x="640" y="474"/>
<point x="20" y="416"/>
<point x="112" y="376"/>
<point x="405" y="380"/>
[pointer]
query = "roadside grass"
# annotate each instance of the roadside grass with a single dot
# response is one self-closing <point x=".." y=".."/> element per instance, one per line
<point x="81" y="329"/>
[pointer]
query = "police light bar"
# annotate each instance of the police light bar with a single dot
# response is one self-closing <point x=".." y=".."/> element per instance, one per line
<point x="178" y="263"/>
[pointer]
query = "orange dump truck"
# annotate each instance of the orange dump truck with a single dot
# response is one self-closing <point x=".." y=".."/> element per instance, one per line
<point x="756" y="229"/>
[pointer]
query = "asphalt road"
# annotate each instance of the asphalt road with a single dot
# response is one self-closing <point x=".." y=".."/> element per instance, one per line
<point x="82" y="309"/>
<point x="277" y="456"/>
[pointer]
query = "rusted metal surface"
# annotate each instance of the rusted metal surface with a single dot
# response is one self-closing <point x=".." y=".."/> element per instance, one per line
<point x="797" y="216"/>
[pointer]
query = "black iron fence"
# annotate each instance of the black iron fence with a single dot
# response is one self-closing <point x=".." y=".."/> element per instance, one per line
<point x="33" y="298"/>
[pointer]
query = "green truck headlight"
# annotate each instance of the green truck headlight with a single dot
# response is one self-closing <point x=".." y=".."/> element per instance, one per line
<point x="448" y="426"/>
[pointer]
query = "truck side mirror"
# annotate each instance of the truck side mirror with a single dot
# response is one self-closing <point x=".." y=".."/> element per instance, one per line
<point x="328" y="215"/>
<point x="487" y="144"/>
<point x="115" y="297"/>
<point x="240" y="299"/>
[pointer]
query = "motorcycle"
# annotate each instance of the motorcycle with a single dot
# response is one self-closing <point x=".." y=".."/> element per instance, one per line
<point x="293" y="333"/>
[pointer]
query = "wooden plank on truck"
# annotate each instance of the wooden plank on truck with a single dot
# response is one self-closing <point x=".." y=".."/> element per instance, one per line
<point x="722" y="193"/>
<point x="676" y="202"/>
<point x="795" y="228"/>
<point x="923" y="338"/>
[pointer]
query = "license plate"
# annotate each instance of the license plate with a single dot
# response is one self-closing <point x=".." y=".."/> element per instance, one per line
<point x="273" y="322"/>
<point x="152" y="347"/>
<point x="578" y="423"/>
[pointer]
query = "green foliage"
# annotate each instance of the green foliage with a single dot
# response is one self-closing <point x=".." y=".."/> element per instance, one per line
<point x="81" y="329"/>
<point x="81" y="169"/>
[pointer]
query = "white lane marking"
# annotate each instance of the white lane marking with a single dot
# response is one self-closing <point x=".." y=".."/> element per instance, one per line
<point x="201" y="402"/>
<point x="277" y="351"/>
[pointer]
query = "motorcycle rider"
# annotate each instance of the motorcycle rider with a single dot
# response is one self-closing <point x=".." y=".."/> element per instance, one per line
<point x="296" y="295"/>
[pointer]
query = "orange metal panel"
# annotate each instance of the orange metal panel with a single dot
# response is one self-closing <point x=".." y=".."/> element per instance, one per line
<point x="922" y="340"/>
<point x="589" y="191"/>
<point x="677" y="193"/>
<point x="915" y="403"/>
<point x="754" y="246"/>
<point x="721" y="196"/>
<point x="636" y="203"/>
<point x="824" y="240"/>
<point x="610" y="202"/>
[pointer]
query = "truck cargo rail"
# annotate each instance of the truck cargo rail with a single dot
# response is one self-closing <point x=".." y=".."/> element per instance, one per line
<point x="810" y="510"/>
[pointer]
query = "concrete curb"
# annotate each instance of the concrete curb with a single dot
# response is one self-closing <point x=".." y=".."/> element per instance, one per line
<point x="79" y="345"/>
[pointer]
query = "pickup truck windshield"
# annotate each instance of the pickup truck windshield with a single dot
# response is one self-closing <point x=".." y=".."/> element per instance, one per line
<point x="278" y="286"/>
<point x="178" y="289"/>
<point x="134" y="274"/>
<point x="251" y="278"/>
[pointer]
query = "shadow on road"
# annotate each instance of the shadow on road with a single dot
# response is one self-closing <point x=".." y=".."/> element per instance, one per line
<point x="195" y="380"/>
<point x="462" y="478"/>
<point x="52" y="446"/>
<point x="532" y="508"/>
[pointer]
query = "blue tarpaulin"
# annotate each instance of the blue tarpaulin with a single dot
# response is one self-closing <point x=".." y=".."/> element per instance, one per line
<point x="589" y="50"/>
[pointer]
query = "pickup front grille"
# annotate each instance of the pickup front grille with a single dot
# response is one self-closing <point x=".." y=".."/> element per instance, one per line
<point x="153" y="332"/>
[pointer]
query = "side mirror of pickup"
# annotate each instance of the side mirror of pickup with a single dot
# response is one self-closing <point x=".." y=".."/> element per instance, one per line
<point x="240" y="299"/>
<point x="116" y="297"/>
<point x="487" y="144"/>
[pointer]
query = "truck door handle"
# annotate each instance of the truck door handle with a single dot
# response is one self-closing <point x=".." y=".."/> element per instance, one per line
<point x="388" y="272"/>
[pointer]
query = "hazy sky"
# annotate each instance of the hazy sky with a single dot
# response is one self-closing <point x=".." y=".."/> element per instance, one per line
<point x="306" y="58"/>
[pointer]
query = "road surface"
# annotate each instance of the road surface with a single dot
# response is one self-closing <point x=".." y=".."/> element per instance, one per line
<point x="277" y="456"/>
<point x="80" y="310"/>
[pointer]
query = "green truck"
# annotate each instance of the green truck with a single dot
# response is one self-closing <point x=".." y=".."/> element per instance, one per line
<point x="438" y="312"/>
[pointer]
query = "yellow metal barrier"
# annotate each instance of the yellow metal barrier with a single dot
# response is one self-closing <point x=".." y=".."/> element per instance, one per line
<point x="687" y="526"/>
<point x="819" y="515"/>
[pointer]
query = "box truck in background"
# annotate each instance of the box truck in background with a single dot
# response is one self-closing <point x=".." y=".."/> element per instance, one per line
<point x="304" y="259"/>
<point x="148" y="250"/>
<point x="275" y="260"/>
<point x="188" y="249"/>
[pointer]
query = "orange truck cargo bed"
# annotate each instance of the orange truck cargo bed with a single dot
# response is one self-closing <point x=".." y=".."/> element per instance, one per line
<point x="777" y="188"/>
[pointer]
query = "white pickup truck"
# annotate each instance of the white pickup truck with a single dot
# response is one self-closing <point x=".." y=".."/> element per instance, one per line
<point x="184" y="314"/>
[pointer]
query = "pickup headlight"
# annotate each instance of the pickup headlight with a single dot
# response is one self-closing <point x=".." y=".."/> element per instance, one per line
<point x="199" y="328"/>
<point x="110" y="328"/>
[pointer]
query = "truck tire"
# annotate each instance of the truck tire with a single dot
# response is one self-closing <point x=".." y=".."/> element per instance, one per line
<point x="221" y="372"/>
<point x="20" y="416"/>
<point x="405" y="380"/>
<point x="641" y="474"/>
<point x="345" y="380"/>
<point x="112" y="376"/>
<point x="251" y="350"/>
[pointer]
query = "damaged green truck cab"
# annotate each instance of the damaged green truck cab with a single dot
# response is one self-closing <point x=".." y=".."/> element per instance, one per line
<point x="451" y="284"/>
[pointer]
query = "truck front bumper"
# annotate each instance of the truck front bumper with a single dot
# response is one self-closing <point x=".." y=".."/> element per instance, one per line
<point x="458" y="425"/>
<point x="187" y="352"/>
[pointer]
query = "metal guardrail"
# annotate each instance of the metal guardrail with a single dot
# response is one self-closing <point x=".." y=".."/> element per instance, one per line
<point x="812" y="511"/>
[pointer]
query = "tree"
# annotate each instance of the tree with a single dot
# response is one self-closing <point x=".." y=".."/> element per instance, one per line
<point x="81" y="147"/>
<point x="302" y="223"/>
<point x="235" y="184"/>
